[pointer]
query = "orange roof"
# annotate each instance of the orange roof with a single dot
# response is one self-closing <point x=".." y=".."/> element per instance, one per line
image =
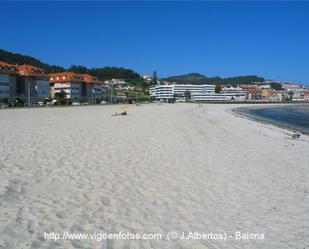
<point x="8" y="68"/>
<point x="65" y="77"/>
<point x="251" y="88"/>
<point x="31" y="71"/>
<point x="72" y="77"/>
<point x="90" y="79"/>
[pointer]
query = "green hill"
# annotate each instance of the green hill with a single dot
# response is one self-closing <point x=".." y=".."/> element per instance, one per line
<point x="15" y="58"/>
<point x="196" y="78"/>
<point x="103" y="73"/>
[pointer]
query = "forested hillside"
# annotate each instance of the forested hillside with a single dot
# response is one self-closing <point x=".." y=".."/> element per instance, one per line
<point x="103" y="73"/>
<point x="196" y="78"/>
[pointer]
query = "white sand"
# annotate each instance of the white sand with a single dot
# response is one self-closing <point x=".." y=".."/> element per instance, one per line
<point x="174" y="167"/>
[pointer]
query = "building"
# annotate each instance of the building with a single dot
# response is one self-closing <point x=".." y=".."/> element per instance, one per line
<point x="266" y="93"/>
<point x="8" y="80"/>
<point x="76" y="86"/>
<point x="278" y="95"/>
<point x="195" y="93"/>
<point x="93" y="87"/>
<point x="69" y="82"/>
<point x="252" y="92"/>
<point x="306" y="95"/>
<point x="298" y="95"/>
<point x="233" y="93"/>
<point x="33" y="83"/>
<point x="164" y="92"/>
<point x="115" y="82"/>
<point x="147" y="78"/>
<point x="292" y="87"/>
<point x="23" y="81"/>
<point x="178" y="91"/>
<point x="165" y="82"/>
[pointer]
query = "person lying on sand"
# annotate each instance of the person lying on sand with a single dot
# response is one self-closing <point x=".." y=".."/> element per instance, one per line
<point x="122" y="113"/>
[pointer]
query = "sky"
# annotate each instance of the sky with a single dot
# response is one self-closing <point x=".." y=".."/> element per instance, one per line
<point x="269" y="39"/>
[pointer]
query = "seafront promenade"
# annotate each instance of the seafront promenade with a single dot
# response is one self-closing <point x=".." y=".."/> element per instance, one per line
<point x="162" y="169"/>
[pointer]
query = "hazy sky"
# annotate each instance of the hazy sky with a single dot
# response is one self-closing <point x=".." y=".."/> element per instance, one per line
<point x="270" y="39"/>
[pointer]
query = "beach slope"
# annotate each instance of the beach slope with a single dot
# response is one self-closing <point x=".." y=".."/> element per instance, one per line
<point x="162" y="168"/>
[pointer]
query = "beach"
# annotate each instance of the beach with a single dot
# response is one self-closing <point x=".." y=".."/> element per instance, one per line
<point x="163" y="169"/>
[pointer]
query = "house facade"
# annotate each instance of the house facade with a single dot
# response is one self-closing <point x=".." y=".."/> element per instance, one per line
<point x="23" y="81"/>
<point x="32" y="83"/>
<point x="93" y="87"/>
<point x="8" y="80"/>
<point x="76" y="86"/>
<point x="252" y="92"/>
<point x="68" y="82"/>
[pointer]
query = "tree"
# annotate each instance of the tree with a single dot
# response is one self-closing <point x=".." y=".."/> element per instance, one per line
<point x="61" y="97"/>
<point x="78" y="69"/>
<point x="276" y="86"/>
<point x="103" y="73"/>
<point x="187" y="95"/>
<point x="290" y="93"/>
<point x="197" y="79"/>
<point x="218" y="89"/>
<point x="106" y="73"/>
<point x="15" y="58"/>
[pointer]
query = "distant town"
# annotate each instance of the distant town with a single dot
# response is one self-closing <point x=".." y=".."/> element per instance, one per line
<point x="263" y="92"/>
<point x="28" y="85"/>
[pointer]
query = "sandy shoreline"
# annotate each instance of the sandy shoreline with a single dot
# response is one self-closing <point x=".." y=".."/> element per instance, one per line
<point x="173" y="167"/>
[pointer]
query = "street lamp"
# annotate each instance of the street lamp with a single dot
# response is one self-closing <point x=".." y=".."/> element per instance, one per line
<point x="29" y="91"/>
<point x="93" y="90"/>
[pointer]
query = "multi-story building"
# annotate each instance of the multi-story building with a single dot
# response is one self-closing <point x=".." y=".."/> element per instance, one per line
<point x="164" y="92"/>
<point x="252" y="92"/>
<point x="76" y="86"/>
<point x="292" y="87"/>
<point x="266" y="93"/>
<point x="32" y="83"/>
<point x="306" y="95"/>
<point x="179" y="91"/>
<point x="8" y="80"/>
<point x="93" y="87"/>
<point x="69" y="82"/>
<point x="233" y="93"/>
<point x="195" y="92"/>
<point x="298" y="95"/>
<point x="278" y="95"/>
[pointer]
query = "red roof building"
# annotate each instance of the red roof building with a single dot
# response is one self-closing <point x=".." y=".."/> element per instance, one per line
<point x="23" y="81"/>
<point x="6" y="68"/>
<point x="252" y="92"/>
<point x="31" y="71"/>
<point x="8" y="80"/>
<point x="76" y="86"/>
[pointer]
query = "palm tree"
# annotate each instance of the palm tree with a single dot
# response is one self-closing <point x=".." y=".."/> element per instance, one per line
<point x="61" y="97"/>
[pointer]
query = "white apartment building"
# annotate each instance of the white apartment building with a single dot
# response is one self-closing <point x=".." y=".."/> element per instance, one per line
<point x="76" y="86"/>
<point x="178" y="91"/>
<point x="197" y="93"/>
<point x="115" y="82"/>
<point x="68" y="82"/>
